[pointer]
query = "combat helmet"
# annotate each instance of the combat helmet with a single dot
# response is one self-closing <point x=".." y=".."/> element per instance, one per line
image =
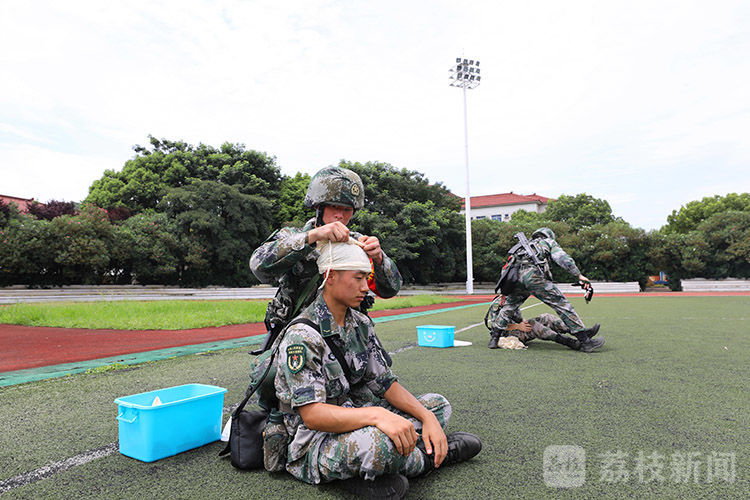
<point x="543" y="232"/>
<point x="336" y="186"/>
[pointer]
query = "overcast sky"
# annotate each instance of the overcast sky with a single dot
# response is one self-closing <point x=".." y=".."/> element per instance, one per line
<point x="643" y="103"/>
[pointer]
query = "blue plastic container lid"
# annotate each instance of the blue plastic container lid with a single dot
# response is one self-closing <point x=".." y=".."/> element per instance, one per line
<point x="437" y="327"/>
<point x="169" y="396"/>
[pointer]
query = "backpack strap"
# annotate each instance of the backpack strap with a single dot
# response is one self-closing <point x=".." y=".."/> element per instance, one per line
<point x="313" y="284"/>
<point x="335" y="349"/>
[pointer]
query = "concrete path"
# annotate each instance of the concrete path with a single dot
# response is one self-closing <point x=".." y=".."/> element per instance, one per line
<point x="20" y="294"/>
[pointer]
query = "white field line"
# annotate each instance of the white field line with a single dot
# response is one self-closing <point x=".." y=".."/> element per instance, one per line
<point x="54" y="468"/>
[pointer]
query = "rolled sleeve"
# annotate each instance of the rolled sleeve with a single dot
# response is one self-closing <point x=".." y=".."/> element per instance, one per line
<point x="279" y="253"/>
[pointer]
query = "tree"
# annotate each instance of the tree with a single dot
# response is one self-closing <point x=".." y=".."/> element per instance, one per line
<point x="689" y="216"/>
<point x="27" y="252"/>
<point x="388" y="189"/>
<point x="727" y="235"/>
<point x="81" y="243"/>
<point x="612" y="252"/>
<point x="149" y="176"/>
<point x="290" y="208"/>
<point x="52" y="209"/>
<point x="8" y="211"/>
<point x="146" y="250"/>
<point x="490" y="241"/>
<point x="579" y="211"/>
<point x="417" y="222"/>
<point x="217" y="228"/>
<point x="526" y="218"/>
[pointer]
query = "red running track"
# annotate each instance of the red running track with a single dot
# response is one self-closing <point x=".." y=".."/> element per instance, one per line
<point x="25" y="347"/>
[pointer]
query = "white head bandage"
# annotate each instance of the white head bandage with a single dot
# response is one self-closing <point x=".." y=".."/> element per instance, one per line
<point x="342" y="256"/>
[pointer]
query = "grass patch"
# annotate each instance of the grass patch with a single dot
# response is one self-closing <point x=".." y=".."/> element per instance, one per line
<point x="136" y="315"/>
<point x="412" y="301"/>
<point x="107" y="368"/>
<point x="166" y="314"/>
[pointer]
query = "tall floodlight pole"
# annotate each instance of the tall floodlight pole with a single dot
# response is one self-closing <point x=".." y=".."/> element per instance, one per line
<point x="466" y="75"/>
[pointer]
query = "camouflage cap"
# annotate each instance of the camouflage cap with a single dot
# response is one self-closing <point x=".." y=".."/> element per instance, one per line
<point x="337" y="186"/>
<point x="543" y="232"/>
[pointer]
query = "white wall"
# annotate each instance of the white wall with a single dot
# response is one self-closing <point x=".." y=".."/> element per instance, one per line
<point x="505" y="211"/>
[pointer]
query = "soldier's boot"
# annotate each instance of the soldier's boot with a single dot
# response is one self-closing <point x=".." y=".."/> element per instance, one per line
<point x="461" y="447"/>
<point x="588" y="344"/>
<point x="495" y="336"/>
<point x="387" y="486"/>
<point x="590" y="332"/>
<point x="574" y="344"/>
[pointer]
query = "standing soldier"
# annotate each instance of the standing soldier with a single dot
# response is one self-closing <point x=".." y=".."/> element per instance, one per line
<point x="290" y="254"/>
<point x="529" y="261"/>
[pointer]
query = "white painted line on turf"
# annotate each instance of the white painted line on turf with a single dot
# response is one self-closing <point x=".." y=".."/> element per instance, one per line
<point x="402" y="349"/>
<point x="54" y="468"/>
<point x="532" y="305"/>
<point x="468" y="327"/>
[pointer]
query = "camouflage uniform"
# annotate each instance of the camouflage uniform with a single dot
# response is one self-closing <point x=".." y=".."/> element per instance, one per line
<point x="287" y="256"/>
<point x="545" y="326"/>
<point x="532" y="282"/>
<point x="315" y="375"/>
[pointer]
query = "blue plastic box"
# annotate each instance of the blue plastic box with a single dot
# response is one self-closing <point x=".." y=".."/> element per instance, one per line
<point x="435" y="335"/>
<point x="189" y="416"/>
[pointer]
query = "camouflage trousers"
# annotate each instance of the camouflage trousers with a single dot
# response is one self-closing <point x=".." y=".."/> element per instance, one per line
<point x="368" y="452"/>
<point x="531" y="282"/>
<point x="545" y="327"/>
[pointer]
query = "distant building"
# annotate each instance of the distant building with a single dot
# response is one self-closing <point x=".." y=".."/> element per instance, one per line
<point x="501" y="206"/>
<point x="21" y="203"/>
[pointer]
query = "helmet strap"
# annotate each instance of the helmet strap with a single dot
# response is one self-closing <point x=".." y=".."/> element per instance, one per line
<point x="319" y="215"/>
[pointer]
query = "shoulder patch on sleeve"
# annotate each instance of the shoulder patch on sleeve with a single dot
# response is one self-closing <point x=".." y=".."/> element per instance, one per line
<point x="295" y="357"/>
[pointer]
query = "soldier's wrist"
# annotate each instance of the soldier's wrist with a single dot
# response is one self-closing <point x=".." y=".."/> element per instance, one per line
<point x="310" y="237"/>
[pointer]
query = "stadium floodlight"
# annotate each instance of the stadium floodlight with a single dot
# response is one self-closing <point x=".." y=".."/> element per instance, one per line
<point x="465" y="74"/>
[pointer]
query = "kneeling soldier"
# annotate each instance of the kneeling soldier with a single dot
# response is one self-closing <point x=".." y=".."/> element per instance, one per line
<point x="353" y="421"/>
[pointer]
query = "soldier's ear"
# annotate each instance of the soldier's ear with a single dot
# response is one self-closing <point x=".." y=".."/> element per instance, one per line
<point x="332" y="276"/>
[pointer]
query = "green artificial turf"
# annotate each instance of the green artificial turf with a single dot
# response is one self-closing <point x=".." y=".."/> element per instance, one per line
<point x="671" y="379"/>
<point x="166" y="314"/>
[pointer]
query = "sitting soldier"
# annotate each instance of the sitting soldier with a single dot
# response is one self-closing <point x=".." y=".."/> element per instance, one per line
<point x="352" y="421"/>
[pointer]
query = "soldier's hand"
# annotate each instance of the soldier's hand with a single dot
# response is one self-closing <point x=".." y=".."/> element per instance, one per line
<point x="400" y="430"/>
<point x="584" y="281"/>
<point x="335" y="231"/>
<point x="435" y="441"/>
<point x="524" y="326"/>
<point x="372" y="248"/>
